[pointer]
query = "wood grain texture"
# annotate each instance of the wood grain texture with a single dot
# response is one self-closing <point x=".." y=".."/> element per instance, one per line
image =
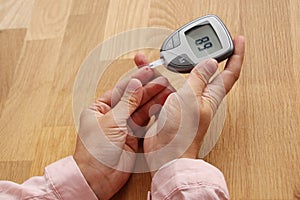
<point x="49" y="19"/>
<point x="15" y="14"/>
<point x="120" y="19"/>
<point x="53" y="143"/>
<point x="15" y="170"/>
<point x="12" y="41"/>
<point x="43" y="43"/>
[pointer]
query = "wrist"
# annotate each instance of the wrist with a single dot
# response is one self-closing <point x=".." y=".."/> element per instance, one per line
<point x="104" y="181"/>
<point x="91" y="175"/>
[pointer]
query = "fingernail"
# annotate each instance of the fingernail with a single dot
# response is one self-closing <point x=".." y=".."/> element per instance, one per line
<point x="211" y="65"/>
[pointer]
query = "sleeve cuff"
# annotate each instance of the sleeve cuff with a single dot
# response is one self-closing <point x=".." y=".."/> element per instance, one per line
<point x="68" y="181"/>
<point x="188" y="179"/>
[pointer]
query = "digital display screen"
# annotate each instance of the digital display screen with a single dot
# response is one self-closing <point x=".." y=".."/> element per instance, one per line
<point x="203" y="40"/>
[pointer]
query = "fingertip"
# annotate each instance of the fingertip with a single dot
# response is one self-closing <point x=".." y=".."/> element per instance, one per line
<point x="201" y="74"/>
<point x="207" y="67"/>
<point x="212" y="65"/>
<point x="140" y="60"/>
<point x="133" y="85"/>
<point x="236" y="60"/>
<point x="240" y="38"/>
<point x="144" y="74"/>
<point x="239" y="43"/>
<point x="161" y="80"/>
<point x="130" y="100"/>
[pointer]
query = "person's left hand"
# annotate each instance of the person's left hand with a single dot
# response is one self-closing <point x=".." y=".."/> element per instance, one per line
<point x="105" y="150"/>
<point x="179" y="129"/>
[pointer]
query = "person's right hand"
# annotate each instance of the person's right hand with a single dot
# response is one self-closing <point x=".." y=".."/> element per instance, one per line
<point x="106" y="147"/>
<point x="186" y="114"/>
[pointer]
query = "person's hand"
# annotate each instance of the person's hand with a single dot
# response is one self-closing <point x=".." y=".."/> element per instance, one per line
<point x="185" y="117"/>
<point x="106" y="146"/>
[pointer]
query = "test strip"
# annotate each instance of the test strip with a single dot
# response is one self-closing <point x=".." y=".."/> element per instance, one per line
<point x="156" y="63"/>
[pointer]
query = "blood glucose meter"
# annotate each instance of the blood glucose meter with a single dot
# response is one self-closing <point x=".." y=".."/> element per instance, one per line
<point x="200" y="39"/>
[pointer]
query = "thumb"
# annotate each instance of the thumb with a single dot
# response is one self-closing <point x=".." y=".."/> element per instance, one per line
<point x="199" y="78"/>
<point x="201" y="74"/>
<point x="129" y="102"/>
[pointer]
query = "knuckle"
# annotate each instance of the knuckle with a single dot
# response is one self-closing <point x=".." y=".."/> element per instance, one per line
<point x="234" y="75"/>
<point x="118" y="90"/>
<point x="133" y="100"/>
<point x="210" y="105"/>
<point x="201" y="77"/>
<point x="86" y="112"/>
<point x="141" y="118"/>
<point x="147" y="93"/>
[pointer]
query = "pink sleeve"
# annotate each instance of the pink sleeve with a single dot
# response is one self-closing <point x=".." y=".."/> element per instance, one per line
<point x="188" y="179"/>
<point x="62" y="180"/>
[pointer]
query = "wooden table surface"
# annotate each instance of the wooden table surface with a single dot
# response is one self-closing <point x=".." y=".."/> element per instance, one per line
<point x="43" y="44"/>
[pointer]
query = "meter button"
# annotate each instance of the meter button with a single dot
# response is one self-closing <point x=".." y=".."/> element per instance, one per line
<point x="168" y="45"/>
<point x="176" y="40"/>
<point x="182" y="64"/>
<point x="182" y="60"/>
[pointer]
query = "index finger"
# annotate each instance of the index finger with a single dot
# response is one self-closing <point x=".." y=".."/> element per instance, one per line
<point x="222" y="84"/>
<point x="113" y="96"/>
<point x="233" y="66"/>
<point x="141" y="61"/>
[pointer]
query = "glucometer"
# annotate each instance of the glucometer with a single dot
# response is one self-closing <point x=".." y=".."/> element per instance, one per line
<point x="200" y="39"/>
